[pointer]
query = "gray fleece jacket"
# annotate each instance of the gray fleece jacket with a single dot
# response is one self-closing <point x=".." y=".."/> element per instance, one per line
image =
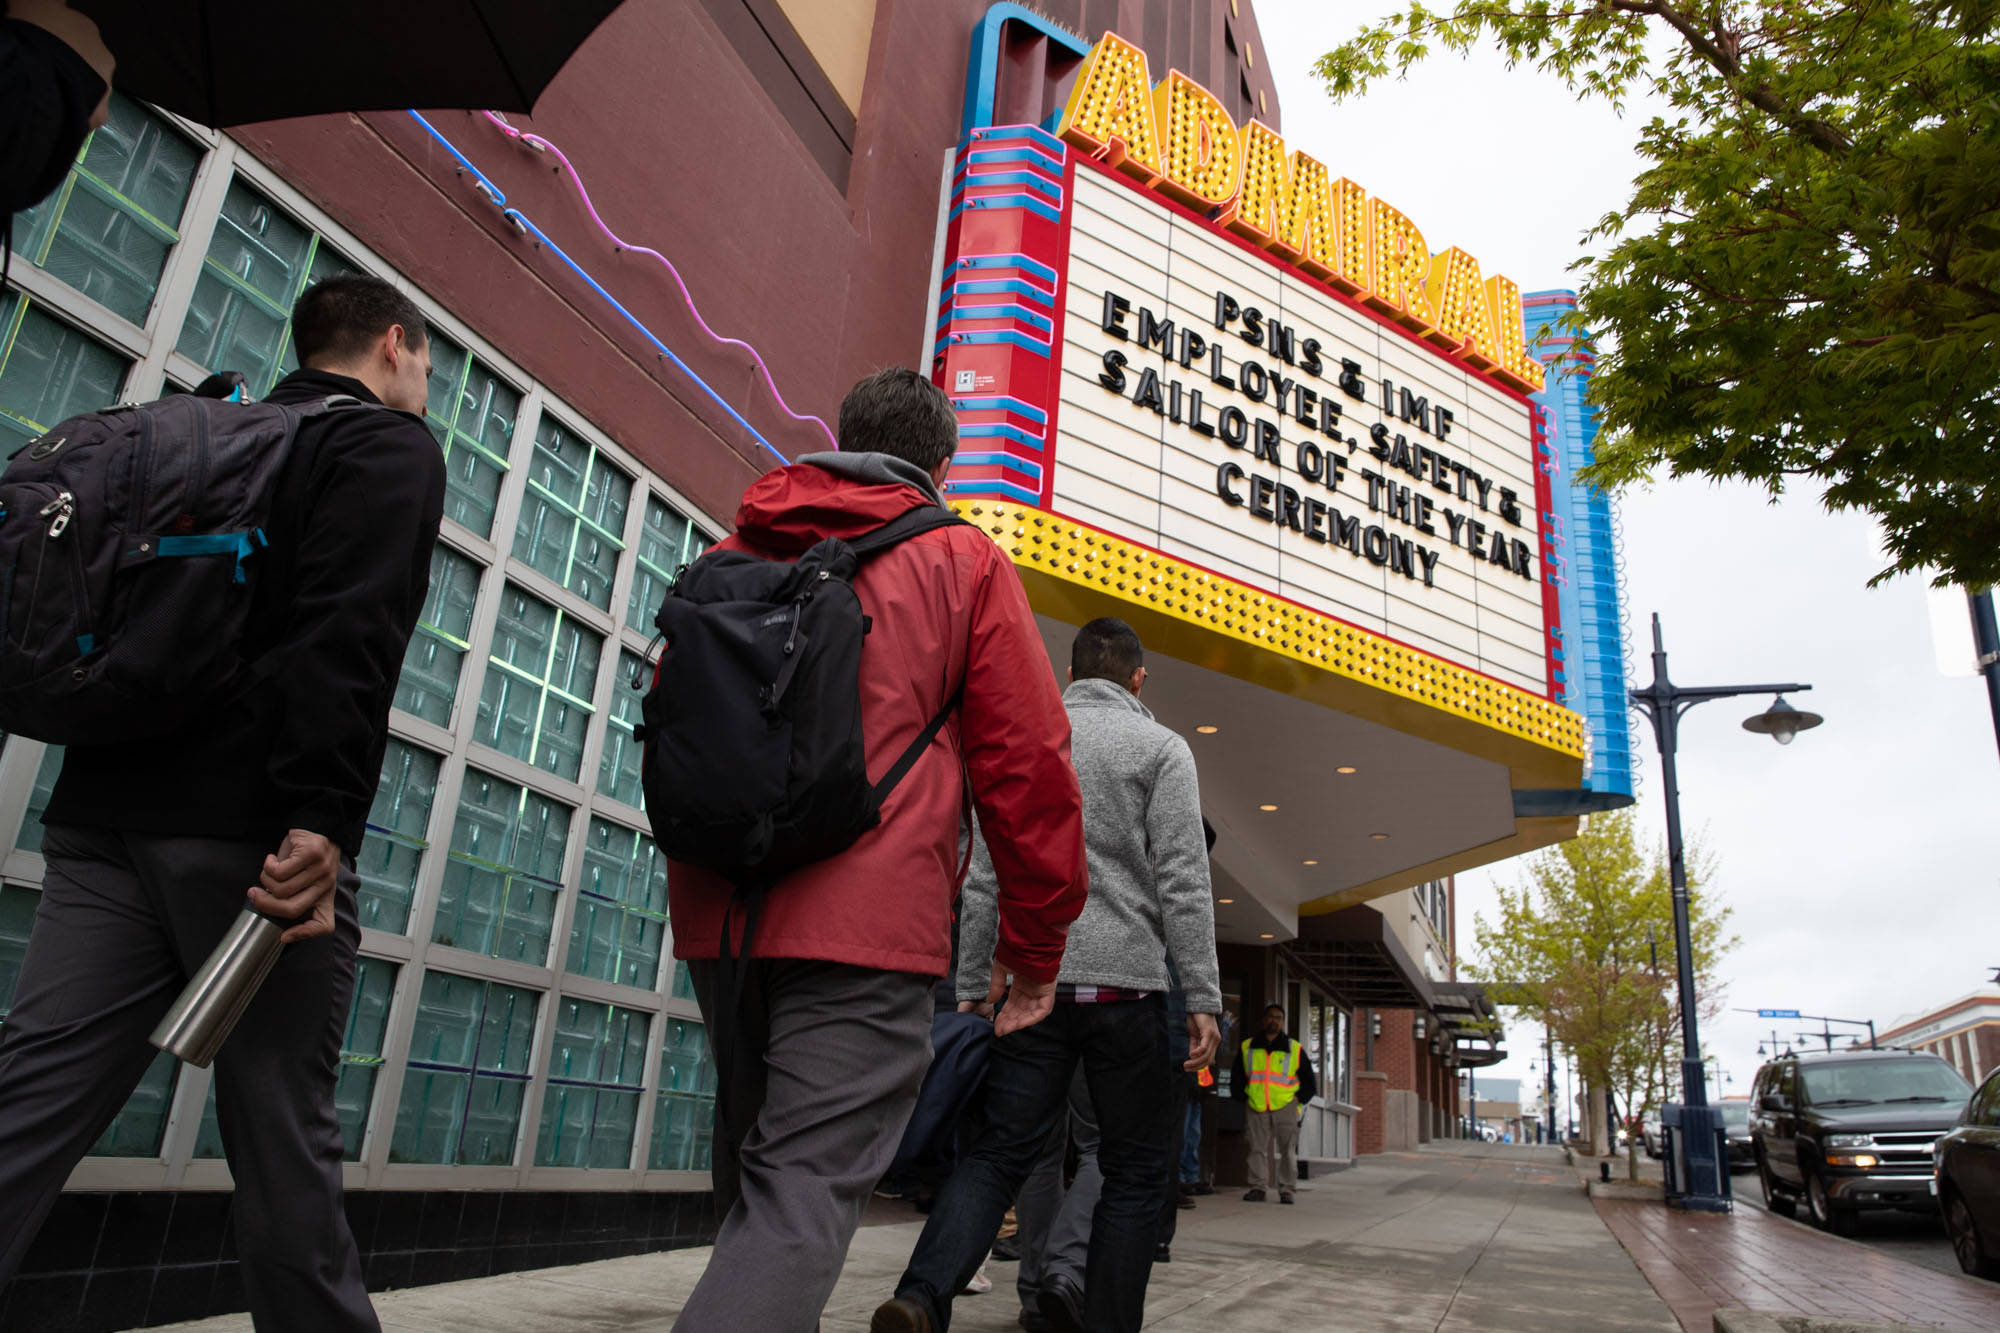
<point x="1149" y="892"/>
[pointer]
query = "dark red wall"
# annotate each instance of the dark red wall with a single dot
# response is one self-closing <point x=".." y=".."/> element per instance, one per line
<point x="683" y="150"/>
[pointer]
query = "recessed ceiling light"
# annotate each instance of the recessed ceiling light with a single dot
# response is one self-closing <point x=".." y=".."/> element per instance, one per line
<point x="1345" y="768"/>
<point x="1267" y="808"/>
<point x="1208" y="731"/>
<point x="1378" y="836"/>
<point x="1267" y="935"/>
<point x="1312" y="863"/>
<point x="1225" y="900"/>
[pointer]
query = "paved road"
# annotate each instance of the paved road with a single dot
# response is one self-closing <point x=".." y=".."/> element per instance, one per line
<point x="1919" y="1239"/>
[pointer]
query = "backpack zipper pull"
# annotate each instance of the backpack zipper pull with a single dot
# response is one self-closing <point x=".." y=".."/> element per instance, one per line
<point x="63" y="506"/>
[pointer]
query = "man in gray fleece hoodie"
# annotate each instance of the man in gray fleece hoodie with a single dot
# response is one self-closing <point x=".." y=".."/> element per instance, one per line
<point x="1149" y="895"/>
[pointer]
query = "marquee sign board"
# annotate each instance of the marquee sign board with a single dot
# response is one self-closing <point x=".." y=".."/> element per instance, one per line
<point x="1128" y="349"/>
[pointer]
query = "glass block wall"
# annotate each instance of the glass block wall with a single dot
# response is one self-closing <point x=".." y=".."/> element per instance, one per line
<point x="517" y="1021"/>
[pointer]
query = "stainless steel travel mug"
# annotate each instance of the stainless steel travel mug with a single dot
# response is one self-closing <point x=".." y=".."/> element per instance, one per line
<point x="206" y="1012"/>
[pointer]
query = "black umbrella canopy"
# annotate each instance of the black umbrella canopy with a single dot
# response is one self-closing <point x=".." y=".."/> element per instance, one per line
<point x="230" y="64"/>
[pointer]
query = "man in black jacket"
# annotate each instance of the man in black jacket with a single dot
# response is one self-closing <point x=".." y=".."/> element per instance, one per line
<point x="55" y="87"/>
<point x="150" y="847"/>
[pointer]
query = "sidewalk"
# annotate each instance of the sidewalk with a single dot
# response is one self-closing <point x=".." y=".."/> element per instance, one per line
<point x="1452" y="1239"/>
<point x="1750" y="1260"/>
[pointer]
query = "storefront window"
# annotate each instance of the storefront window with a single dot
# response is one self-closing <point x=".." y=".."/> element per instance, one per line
<point x="666" y="542"/>
<point x="597" y="1073"/>
<point x="472" y="414"/>
<point x="540" y="677"/>
<point x="572" y="523"/>
<point x="17" y="921"/>
<point x="467" y="1075"/>
<point x="393" y="852"/>
<point x="29" y="839"/>
<point x="684" y="1118"/>
<point x="360" y="1062"/>
<point x="49" y="372"/>
<point x="493" y="891"/>
<point x="618" y="766"/>
<point x="258" y="262"/>
<point x="504" y="875"/>
<point x="428" y="686"/>
<point x="621" y="911"/>
<point x="107" y="231"/>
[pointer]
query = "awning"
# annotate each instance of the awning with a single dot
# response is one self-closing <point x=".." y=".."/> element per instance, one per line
<point x="1363" y="961"/>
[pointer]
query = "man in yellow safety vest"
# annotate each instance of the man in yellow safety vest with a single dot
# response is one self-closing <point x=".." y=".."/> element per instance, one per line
<point x="1274" y="1078"/>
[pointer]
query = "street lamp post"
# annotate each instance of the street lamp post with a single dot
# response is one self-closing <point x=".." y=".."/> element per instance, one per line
<point x="1706" y="1187"/>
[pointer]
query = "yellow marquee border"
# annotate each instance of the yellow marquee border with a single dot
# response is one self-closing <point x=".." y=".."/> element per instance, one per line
<point x="1075" y="571"/>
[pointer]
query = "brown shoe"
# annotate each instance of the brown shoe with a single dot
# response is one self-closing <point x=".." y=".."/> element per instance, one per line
<point x="899" y="1316"/>
<point x="1253" y="1196"/>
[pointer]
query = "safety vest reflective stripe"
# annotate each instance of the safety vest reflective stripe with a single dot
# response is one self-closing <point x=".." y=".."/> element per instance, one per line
<point x="1270" y="1077"/>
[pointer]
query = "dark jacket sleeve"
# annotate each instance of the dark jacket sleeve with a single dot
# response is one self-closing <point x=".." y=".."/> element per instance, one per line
<point x="47" y="92"/>
<point x="373" y="504"/>
<point x="1308" y="1084"/>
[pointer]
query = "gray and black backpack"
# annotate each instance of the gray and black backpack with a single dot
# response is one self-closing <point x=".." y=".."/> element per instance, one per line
<point x="128" y="543"/>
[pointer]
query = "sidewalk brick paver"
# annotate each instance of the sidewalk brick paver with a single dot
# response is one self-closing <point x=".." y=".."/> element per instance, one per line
<point x="1749" y="1260"/>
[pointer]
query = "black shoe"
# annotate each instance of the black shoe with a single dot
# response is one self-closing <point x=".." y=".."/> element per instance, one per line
<point x="1199" y="1188"/>
<point x="1007" y="1249"/>
<point x="1033" y="1321"/>
<point x="900" y="1316"/>
<point x="1186" y="1200"/>
<point x="1163" y="1255"/>
<point x="1061" y="1304"/>
<point x="1253" y="1196"/>
<point x="1284" y="1196"/>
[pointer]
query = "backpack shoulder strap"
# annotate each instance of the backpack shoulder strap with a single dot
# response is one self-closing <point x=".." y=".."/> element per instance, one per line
<point x="908" y="524"/>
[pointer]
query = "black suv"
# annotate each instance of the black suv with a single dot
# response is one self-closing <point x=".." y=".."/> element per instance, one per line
<point x="1851" y="1130"/>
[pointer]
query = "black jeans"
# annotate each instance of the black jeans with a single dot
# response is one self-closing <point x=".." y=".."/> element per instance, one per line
<point x="1123" y="1049"/>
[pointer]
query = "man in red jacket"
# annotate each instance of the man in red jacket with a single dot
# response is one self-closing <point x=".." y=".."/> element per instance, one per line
<point x="847" y="950"/>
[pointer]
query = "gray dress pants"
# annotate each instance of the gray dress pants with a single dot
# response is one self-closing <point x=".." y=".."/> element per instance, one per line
<point x="1055" y="1223"/>
<point x="124" y="920"/>
<point x="844" y="1052"/>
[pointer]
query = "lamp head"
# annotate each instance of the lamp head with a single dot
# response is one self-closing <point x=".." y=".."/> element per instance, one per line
<point x="1781" y="721"/>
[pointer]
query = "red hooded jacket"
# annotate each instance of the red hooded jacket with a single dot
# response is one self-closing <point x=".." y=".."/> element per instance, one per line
<point x="947" y="608"/>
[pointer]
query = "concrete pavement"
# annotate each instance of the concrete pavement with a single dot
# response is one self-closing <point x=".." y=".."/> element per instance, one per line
<point x="1455" y="1238"/>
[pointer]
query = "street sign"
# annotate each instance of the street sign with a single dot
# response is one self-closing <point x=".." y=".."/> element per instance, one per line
<point x="1777" y="1013"/>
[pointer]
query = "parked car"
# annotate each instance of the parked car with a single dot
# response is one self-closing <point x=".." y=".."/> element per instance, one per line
<point x="1851" y="1131"/>
<point x="1652" y="1136"/>
<point x="1968" y="1182"/>
<point x="1736" y="1119"/>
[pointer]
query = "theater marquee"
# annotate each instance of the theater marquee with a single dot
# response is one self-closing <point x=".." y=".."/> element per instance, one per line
<point x="1207" y="385"/>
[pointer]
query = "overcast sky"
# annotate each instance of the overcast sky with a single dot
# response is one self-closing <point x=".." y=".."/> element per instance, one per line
<point x="1863" y="860"/>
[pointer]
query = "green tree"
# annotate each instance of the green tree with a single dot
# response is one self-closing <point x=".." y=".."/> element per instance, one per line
<point x="1805" y="282"/>
<point x="1573" y="948"/>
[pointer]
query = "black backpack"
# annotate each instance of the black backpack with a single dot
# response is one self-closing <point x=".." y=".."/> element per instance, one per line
<point x="754" y="762"/>
<point x="126" y="545"/>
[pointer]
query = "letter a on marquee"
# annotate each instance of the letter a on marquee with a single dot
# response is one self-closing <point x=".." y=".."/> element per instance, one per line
<point x="1110" y="111"/>
<point x="1458" y="298"/>
<point x="1203" y="160"/>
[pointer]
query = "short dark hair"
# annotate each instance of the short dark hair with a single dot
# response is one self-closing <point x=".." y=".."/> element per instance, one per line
<point x="1277" y="1009"/>
<point x="337" y="319"/>
<point x="1106" y="649"/>
<point x="900" y="413"/>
